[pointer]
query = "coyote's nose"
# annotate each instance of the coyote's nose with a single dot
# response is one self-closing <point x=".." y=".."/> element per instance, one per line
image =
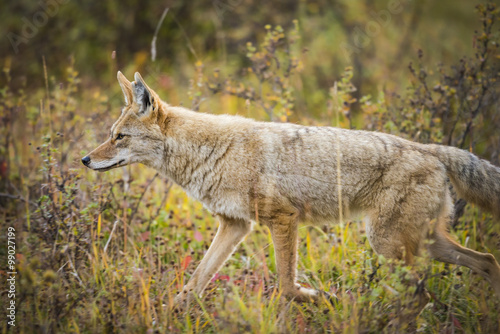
<point x="86" y="160"/>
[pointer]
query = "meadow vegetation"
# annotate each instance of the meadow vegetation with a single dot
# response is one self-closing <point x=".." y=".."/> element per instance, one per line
<point x="107" y="252"/>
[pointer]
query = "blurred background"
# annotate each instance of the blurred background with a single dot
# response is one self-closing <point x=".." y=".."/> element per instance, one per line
<point x="107" y="252"/>
<point x="377" y="38"/>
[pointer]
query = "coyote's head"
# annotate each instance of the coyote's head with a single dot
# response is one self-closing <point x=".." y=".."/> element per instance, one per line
<point x="136" y="136"/>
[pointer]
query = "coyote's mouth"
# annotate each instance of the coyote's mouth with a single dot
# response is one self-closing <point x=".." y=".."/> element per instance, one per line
<point x="103" y="169"/>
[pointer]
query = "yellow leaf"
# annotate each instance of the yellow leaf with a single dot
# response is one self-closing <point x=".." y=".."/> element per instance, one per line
<point x="99" y="225"/>
<point x="308" y="243"/>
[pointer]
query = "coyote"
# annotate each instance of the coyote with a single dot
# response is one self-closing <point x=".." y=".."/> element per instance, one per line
<point x="280" y="174"/>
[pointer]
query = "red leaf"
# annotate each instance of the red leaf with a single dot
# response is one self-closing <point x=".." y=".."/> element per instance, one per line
<point x="197" y="236"/>
<point x="301" y="323"/>
<point x="186" y="262"/>
<point x="3" y="169"/>
<point x="218" y="277"/>
<point x="145" y="235"/>
<point x="456" y="323"/>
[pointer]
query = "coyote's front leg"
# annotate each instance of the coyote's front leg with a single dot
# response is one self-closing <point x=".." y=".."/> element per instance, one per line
<point x="229" y="234"/>
<point x="284" y="234"/>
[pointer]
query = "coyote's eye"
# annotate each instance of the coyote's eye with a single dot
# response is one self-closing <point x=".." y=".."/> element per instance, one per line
<point x="119" y="136"/>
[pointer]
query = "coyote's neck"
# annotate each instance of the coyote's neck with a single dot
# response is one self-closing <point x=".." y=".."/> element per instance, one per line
<point x="194" y="150"/>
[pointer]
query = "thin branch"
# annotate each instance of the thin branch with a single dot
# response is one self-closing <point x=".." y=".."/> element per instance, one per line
<point x="75" y="273"/>
<point x="140" y="198"/>
<point x="111" y="235"/>
<point x="153" y="42"/>
<point x="190" y="46"/>
<point x="20" y="198"/>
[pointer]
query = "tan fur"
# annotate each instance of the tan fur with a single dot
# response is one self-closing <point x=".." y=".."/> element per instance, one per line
<point x="283" y="174"/>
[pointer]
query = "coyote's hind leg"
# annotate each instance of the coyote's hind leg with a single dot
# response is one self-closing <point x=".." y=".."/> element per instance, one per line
<point x="443" y="248"/>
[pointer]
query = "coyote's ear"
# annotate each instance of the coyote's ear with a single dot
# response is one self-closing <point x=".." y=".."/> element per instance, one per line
<point x="126" y="87"/>
<point x="143" y="95"/>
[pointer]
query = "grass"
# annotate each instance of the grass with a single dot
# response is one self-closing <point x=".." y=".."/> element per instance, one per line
<point x="108" y="252"/>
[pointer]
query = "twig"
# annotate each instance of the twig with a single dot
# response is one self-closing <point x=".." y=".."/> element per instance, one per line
<point x="339" y="176"/>
<point x="190" y="46"/>
<point x="111" y="235"/>
<point x="18" y="197"/>
<point x="164" y="199"/>
<point x="140" y="198"/>
<point x="64" y="265"/>
<point x="371" y="277"/>
<point x="74" y="271"/>
<point x="45" y="75"/>
<point x="153" y="42"/>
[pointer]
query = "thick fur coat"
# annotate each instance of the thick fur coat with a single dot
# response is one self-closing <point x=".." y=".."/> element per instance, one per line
<point x="282" y="174"/>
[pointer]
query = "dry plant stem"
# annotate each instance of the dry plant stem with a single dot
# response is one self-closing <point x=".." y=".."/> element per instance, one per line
<point x="141" y="197"/>
<point x="18" y="197"/>
<point x="47" y="95"/>
<point x="74" y="271"/>
<point x="111" y="235"/>
<point x="153" y="42"/>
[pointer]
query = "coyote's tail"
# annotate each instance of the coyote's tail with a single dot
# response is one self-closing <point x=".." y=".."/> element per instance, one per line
<point x="474" y="179"/>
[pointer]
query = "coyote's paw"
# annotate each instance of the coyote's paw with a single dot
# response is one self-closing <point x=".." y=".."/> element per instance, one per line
<point x="182" y="301"/>
<point x="301" y="294"/>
